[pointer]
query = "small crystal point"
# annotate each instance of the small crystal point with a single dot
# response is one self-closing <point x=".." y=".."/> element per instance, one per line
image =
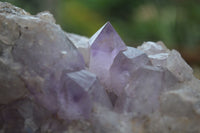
<point x="105" y="45"/>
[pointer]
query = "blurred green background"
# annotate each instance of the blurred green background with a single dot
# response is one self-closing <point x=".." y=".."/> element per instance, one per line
<point x="175" y="22"/>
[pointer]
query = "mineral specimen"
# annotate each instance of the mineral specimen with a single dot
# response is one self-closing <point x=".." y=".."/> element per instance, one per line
<point x="57" y="82"/>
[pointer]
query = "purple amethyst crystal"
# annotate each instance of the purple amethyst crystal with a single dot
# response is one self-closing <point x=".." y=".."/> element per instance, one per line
<point x="105" y="45"/>
<point x="78" y="92"/>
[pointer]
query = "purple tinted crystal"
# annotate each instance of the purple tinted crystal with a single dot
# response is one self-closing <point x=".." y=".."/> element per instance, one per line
<point x="125" y="63"/>
<point x="105" y="45"/>
<point x="142" y="93"/>
<point x="99" y="95"/>
<point x="78" y="92"/>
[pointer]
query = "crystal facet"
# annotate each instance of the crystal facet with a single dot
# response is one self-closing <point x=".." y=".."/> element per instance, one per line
<point x="78" y="92"/>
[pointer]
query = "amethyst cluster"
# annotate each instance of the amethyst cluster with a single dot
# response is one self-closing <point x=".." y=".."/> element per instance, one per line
<point x="57" y="82"/>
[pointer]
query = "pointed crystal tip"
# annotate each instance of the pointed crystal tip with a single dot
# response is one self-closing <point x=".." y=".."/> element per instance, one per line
<point x="106" y="39"/>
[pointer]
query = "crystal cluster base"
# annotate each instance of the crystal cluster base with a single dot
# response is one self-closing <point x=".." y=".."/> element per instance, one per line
<point x="57" y="82"/>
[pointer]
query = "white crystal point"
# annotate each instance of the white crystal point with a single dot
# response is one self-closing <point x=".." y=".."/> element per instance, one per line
<point x="153" y="48"/>
<point x="105" y="45"/>
<point x="172" y="60"/>
<point x="125" y="63"/>
<point x="177" y="65"/>
<point x="82" y="44"/>
<point x="157" y="52"/>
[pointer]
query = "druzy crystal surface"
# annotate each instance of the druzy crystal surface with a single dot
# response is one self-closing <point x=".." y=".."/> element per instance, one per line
<point x="57" y="82"/>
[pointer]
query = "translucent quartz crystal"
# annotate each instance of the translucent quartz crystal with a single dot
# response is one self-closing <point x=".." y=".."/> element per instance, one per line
<point x="179" y="67"/>
<point x="172" y="60"/>
<point x="78" y="92"/>
<point x="105" y="45"/>
<point x="152" y="48"/>
<point x="142" y="93"/>
<point x="123" y="67"/>
<point x="82" y="44"/>
<point x="157" y="52"/>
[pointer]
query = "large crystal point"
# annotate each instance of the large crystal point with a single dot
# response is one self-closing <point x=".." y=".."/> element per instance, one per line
<point x="78" y="93"/>
<point x="105" y="45"/>
<point x="125" y="63"/>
